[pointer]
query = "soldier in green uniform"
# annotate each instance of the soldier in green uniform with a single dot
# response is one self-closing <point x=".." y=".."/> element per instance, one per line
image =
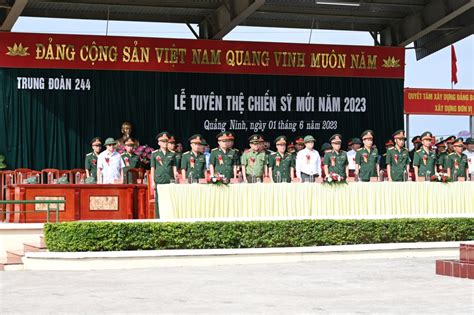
<point x="457" y="161"/>
<point x="237" y="153"/>
<point x="425" y="158"/>
<point x="389" y="144"/>
<point x="449" y="141"/>
<point x="335" y="161"/>
<point x="222" y="159"/>
<point x="299" y="144"/>
<point x="398" y="158"/>
<point x="163" y="162"/>
<point x="130" y="159"/>
<point x="366" y="158"/>
<point x="254" y="160"/>
<point x="325" y="148"/>
<point x="442" y="156"/>
<point x="91" y="160"/>
<point x="416" y="141"/>
<point x="281" y="164"/>
<point x="177" y="155"/>
<point x="193" y="163"/>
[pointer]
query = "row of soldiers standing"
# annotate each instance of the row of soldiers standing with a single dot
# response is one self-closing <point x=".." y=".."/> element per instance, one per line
<point x="305" y="163"/>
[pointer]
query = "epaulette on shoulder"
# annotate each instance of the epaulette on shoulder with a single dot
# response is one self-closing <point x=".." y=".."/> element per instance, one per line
<point x="187" y="152"/>
<point x="360" y="149"/>
<point x="90" y="153"/>
<point x="236" y="150"/>
<point x="419" y="150"/>
<point x="392" y="148"/>
<point x="215" y="149"/>
<point x="155" y="151"/>
<point x="274" y="153"/>
<point x="452" y="153"/>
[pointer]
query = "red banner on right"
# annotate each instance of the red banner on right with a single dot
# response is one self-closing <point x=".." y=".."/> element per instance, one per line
<point x="439" y="102"/>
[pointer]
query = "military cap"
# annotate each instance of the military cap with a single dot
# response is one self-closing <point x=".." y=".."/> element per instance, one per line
<point x="129" y="141"/>
<point x="224" y="135"/>
<point x="416" y="139"/>
<point x="469" y="141"/>
<point x="309" y="139"/>
<point x="163" y="136"/>
<point x="109" y="141"/>
<point x="299" y="140"/>
<point x="399" y="134"/>
<point x="204" y="142"/>
<point x="291" y="145"/>
<point x="196" y="138"/>
<point x="458" y="141"/>
<point x="356" y="141"/>
<point x="256" y="138"/>
<point x="172" y="139"/>
<point x="280" y="140"/>
<point x="230" y="135"/>
<point x="441" y="144"/>
<point x="368" y="134"/>
<point x="389" y="143"/>
<point x="350" y="142"/>
<point x="326" y="146"/>
<point x="96" y="141"/>
<point x="426" y="136"/>
<point x="450" y="139"/>
<point x="336" y="136"/>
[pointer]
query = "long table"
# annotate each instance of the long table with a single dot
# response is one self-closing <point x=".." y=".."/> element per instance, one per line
<point x="82" y="202"/>
<point x="410" y="199"/>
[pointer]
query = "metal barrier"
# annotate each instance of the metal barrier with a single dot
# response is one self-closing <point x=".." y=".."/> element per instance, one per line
<point x="26" y="202"/>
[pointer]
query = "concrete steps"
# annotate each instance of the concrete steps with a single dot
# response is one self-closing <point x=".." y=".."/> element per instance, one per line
<point x="14" y="259"/>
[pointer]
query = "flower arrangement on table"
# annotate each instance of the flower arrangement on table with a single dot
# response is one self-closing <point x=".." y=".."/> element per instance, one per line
<point x="441" y="178"/>
<point x="334" y="179"/>
<point x="143" y="153"/>
<point x="218" y="180"/>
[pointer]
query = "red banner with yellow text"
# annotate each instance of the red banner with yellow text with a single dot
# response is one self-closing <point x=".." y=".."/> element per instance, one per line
<point x="20" y="50"/>
<point x="439" y="102"/>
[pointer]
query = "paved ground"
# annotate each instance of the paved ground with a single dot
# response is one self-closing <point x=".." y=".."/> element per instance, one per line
<point x="362" y="286"/>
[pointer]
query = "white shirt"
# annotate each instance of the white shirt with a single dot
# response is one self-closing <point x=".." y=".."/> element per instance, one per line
<point x="110" y="170"/>
<point x="470" y="160"/>
<point x="351" y="157"/>
<point x="311" y="166"/>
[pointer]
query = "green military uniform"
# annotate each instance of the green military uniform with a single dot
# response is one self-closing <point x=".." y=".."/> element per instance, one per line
<point x="91" y="164"/>
<point x="254" y="162"/>
<point x="425" y="161"/>
<point x="178" y="156"/>
<point x="223" y="162"/>
<point x="336" y="162"/>
<point x="281" y="164"/>
<point x="194" y="163"/>
<point x="458" y="165"/>
<point x="442" y="160"/>
<point x="237" y="156"/>
<point x="398" y="161"/>
<point x="163" y="164"/>
<point x="130" y="161"/>
<point x="367" y="159"/>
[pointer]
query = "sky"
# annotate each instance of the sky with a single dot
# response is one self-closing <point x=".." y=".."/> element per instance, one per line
<point x="433" y="71"/>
